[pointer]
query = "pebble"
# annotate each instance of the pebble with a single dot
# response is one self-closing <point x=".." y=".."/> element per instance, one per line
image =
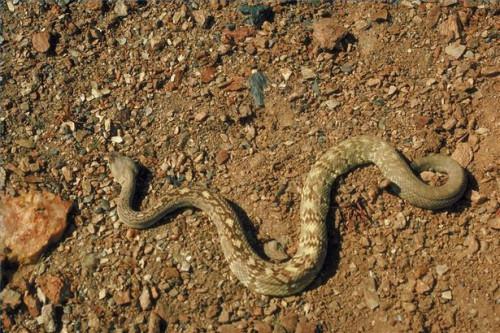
<point x="494" y="223"/>
<point x="41" y="41"/>
<point x="10" y="298"/>
<point x="224" y="316"/>
<point x="122" y="297"/>
<point x="441" y="269"/>
<point x="53" y="287"/>
<point x="289" y="322"/>
<point x="285" y="73"/>
<point x="121" y="8"/>
<point x="307" y="73"/>
<point x="455" y="50"/>
<point x="145" y="299"/>
<point x="346" y="68"/>
<point x="447" y="295"/>
<point x="94" y="4"/>
<point x="305" y="327"/>
<point x="463" y="154"/>
<point x="200" y="116"/>
<point x="47" y="318"/>
<point x="370" y="294"/>
<point x="392" y="90"/>
<point x="3" y="178"/>
<point x="222" y="156"/>
<point x="274" y="250"/>
<point x="154" y="323"/>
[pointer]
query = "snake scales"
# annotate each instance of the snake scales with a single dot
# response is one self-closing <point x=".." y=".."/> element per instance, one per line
<point x="281" y="279"/>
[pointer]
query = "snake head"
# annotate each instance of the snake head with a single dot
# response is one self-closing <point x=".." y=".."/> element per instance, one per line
<point x="122" y="168"/>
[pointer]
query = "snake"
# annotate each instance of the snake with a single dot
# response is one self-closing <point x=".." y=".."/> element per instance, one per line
<point x="260" y="274"/>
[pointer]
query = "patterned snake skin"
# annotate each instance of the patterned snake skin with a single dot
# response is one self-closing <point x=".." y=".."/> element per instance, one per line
<point x="291" y="277"/>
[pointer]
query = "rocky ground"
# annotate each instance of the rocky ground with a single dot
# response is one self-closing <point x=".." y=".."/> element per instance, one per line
<point x="168" y="84"/>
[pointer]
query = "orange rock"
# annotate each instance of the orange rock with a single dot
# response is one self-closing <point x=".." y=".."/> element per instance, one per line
<point x="208" y="74"/>
<point x="30" y="222"/>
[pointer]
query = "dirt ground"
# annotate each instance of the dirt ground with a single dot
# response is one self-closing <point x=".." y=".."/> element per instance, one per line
<point x="165" y="82"/>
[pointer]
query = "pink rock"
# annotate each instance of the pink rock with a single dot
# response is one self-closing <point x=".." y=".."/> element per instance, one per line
<point x="29" y="223"/>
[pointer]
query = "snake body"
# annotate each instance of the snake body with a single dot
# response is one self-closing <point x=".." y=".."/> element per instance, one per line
<point x="292" y="276"/>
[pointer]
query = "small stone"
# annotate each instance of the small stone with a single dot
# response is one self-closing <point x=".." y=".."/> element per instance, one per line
<point x="327" y="34"/>
<point x="332" y="104"/>
<point x="154" y="323"/>
<point x="200" y="116"/>
<point x="102" y="294"/>
<point x="447" y="3"/>
<point x="224" y="316"/>
<point x="447" y="295"/>
<point x="494" y="223"/>
<point x="53" y="287"/>
<point x="477" y="198"/>
<point x="346" y="68"/>
<point x="307" y="73"/>
<point x="381" y="15"/>
<point x="212" y="311"/>
<point x="373" y="82"/>
<point x="305" y="327"/>
<point x="392" y="90"/>
<point x="47" y="318"/>
<point x="450" y="124"/>
<point x="222" y="157"/>
<point x="422" y="286"/>
<point x="451" y="28"/>
<point x="274" y="250"/>
<point x="285" y="73"/>
<point x="455" y="50"/>
<point x="41" y="41"/>
<point x="93" y="5"/>
<point x="10" y="298"/>
<point x="472" y="245"/>
<point x="122" y="297"/>
<point x="208" y="74"/>
<point x="463" y="154"/>
<point x="201" y="18"/>
<point x="441" y="269"/>
<point x="262" y="327"/>
<point x="32" y="304"/>
<point x="3" y="178"/>
<point x="145" y="299"/>
<point x="230" y="329"/>
<point x="171" y="273"/>
<point x="89" y="262"/>
<point x="289" y="322"/>
<point x="121" y="8"/>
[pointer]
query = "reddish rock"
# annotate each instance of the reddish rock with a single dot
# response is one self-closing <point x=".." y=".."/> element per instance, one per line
<point x="53" y="287"/>
<point x="175" y="80"/>
<point x="32" y="304"/>
<point x="222" y="156"/>
<point x="30" y="222"/>
<point x="327" y="33"/>
<point x="238" y="35"/>
<point x="41" y="41"/>
<point x="236" y="84"/>
<point x="208" y="74"/>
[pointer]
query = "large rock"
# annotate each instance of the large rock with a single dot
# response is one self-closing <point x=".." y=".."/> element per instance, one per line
<point x="29" y="223"/>
<point x="327" y="33"/>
